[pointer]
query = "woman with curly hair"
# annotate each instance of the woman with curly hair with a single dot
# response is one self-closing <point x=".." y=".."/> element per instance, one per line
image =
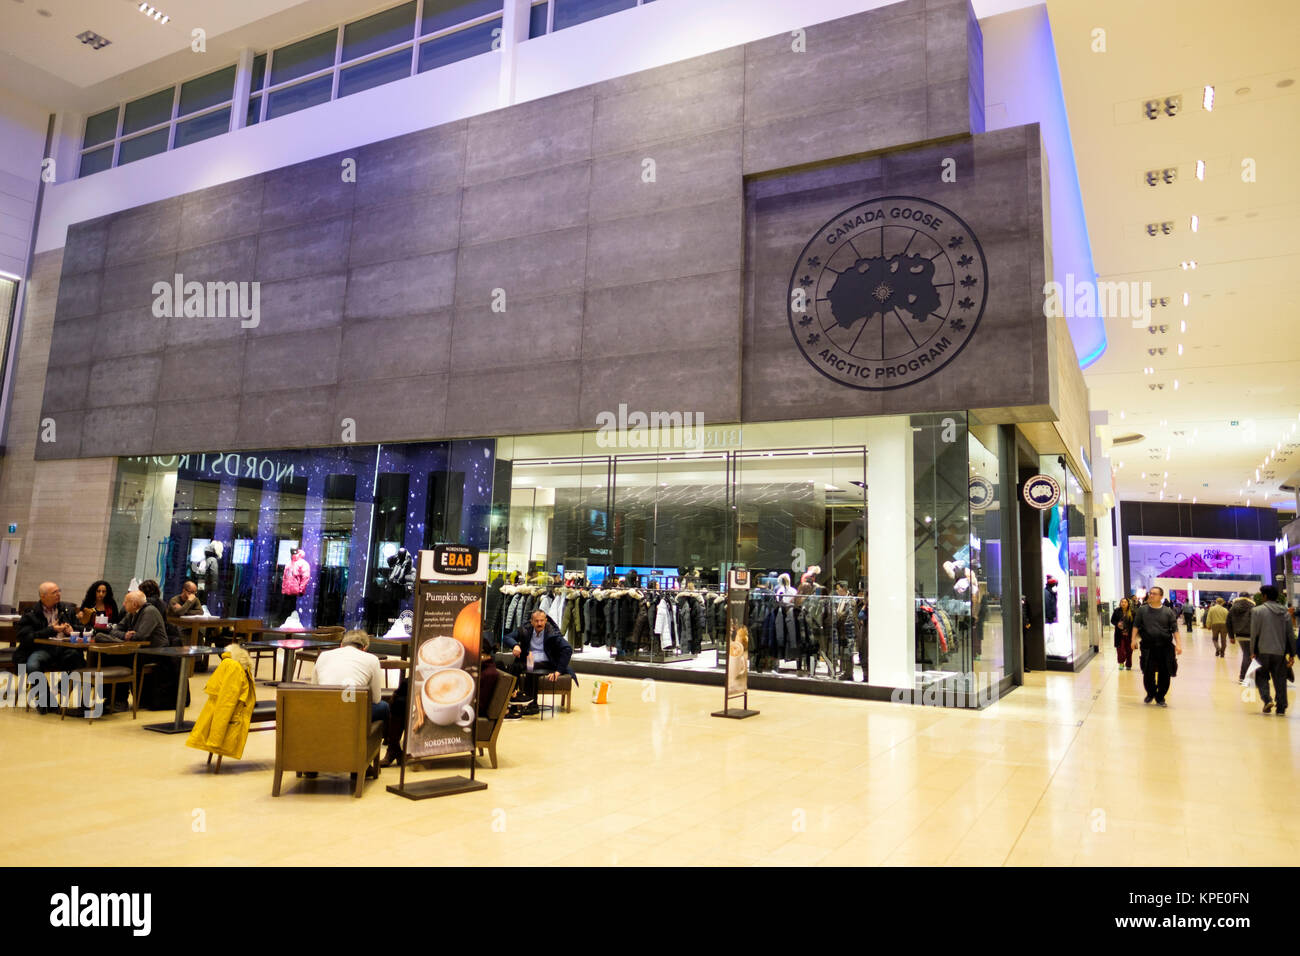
<point x="98" y="609"/>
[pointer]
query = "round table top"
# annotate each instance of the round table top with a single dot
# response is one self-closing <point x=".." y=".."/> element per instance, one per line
<point x="292" y="643"/>
<point x="187" y="650"/>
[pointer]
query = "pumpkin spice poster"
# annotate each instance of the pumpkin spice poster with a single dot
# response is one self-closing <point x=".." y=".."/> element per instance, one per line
<point x="443" y="694"/>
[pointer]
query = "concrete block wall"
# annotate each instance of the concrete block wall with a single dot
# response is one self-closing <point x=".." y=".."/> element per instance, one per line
<point x="376" y="295"/>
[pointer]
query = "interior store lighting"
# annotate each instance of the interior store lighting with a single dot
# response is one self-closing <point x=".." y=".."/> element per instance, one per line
<point x="157" y="15"/>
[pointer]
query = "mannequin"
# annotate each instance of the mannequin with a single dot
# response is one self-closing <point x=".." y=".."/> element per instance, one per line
<point x="401" y="574"/>
<point x="297" y="574"/>
<point x="206" y="573"/>
<point x="783" y="589"/>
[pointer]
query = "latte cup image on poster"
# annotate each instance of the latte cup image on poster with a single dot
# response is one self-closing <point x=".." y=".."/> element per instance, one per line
<point x="443" y="695"/>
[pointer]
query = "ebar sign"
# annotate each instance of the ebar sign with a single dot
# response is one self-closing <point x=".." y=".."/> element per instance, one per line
<point x="1041" y="492"/>
<point x="887" y="293"/>
<point x="452" y="561"/>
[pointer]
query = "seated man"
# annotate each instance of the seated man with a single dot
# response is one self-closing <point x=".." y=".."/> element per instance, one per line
<point x="51" y="617"/>
<point x="187" y="602"/>
<point x="538" y="648"/>
<point x="141" y="621"/>
<point x="352" y="665"/>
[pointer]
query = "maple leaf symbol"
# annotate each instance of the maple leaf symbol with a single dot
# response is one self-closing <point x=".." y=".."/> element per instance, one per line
<point x="968" y="282"/>
<point x="806" y="281"/>
<point x="955" y="241"/>
<point x="814" y="261"/>
<point x="967" y="303"/>
<point x="806" y="320"/>
<point x="958" y="324"/>
<point x="814" y="338"/>
<point x="965" y="259"/>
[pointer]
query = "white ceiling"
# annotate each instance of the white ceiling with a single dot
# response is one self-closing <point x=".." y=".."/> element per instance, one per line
<point x="42" y="59"/>
<point x="1238" y="378"/>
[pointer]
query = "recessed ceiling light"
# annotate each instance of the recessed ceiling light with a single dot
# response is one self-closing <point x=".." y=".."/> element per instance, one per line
<point x="1207" y="99"/>
<point x="44" y="13"/>
<point x="1196" y="223"/>
<point x="1187" y="298"/>
<point x="1200" y="169"/>
<point x="154" y="13"/>
<point x="1180" y="348"/>
<point x="1188" y="264"/>
<point x="1284" y="83"/>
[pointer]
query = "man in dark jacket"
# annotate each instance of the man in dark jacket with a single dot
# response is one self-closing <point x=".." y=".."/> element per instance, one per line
<point x="538" y="648"/>
<point x="1239" y="612"/>
<point x="1156" y="630"/>
<point x="1273" y="641"/>
<point x="51" y="617"/>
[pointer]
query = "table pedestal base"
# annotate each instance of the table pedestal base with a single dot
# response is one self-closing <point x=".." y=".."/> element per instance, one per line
<point x="735" y="714"/>
<point x="170" y="727"/>
<point x="437" y="788"/>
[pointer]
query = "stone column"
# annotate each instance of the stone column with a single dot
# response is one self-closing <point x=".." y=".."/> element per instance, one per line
<point x="891" y="566"/>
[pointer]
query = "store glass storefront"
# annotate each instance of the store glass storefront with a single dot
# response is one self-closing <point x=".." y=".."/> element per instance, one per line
<point x="1068" y="609"/>
<point x="625" y="538"/>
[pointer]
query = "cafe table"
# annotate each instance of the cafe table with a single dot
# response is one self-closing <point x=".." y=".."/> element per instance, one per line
<point x="193" y="623"/>
<point x="290" y="645"/>
<point x="186" y="654"/>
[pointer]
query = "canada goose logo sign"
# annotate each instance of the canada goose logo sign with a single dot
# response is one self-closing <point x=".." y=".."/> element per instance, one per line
<point x="887" y="293"/>
<point x="1042" y="492"/>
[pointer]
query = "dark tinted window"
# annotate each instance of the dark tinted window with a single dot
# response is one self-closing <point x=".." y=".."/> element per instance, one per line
<point x="299" y="97"/>
<point x="537" y="21"/>
<point x="571" y="12"/>
<point x="202" y="127"/>
<point x="150" y="144"/>
<point x="460" y="45"/>
<point x="97" y="161"/>
<point x="207" y="91"/>
<point x="148" y="111"/>
<point x="101" y="127"/>
<point x="254" y="111"/>
<point x="441" y="14"/>
<point x="376" y="72"/>
<point x="303" y="57"/>
<point x="259" y="72"/>
<point x="379" y="32"/>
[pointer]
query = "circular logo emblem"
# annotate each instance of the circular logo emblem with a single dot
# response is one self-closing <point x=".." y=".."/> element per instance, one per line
<point x="981" y="493"/>
<point x="1041" y="492"/>
<point x="887" y="293"/>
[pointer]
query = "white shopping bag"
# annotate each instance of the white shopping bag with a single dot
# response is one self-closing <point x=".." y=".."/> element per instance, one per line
<point x="1250" y="671"/>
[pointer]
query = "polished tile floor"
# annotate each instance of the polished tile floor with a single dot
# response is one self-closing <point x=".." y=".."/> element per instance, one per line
<point x="1070" y="769"/>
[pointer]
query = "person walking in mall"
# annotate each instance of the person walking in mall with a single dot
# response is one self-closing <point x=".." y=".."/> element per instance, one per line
<point x="1156" y="630"/>
<point x="1122" y="620"/>
<point x="1189" y="616"/>
<point x="1273" y="640"/>
<point x="1239" y="612"/>
<point x="1216" y="619"/>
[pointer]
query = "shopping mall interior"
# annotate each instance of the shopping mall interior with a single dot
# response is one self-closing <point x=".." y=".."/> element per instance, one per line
<point x="701" y="432"/>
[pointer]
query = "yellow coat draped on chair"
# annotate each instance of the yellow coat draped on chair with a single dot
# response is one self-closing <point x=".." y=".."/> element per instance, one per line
<point x="222" y="727"/>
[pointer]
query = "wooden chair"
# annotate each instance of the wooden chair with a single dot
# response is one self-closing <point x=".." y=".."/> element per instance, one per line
<point x="318" y="731"/>
<point x="489" y="728"/>
<point x="333" y="632"/>
<point x="111" y="676"/>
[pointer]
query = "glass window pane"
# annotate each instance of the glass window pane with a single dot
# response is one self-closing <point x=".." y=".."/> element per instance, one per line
<point x="441" y="14"/>
<point x="571" y="12"/>
<point x="101" y="127"/>
<point x="300" y="97"/>
<point x="458" y="46"/>
<point x="305" y="56"/>
<point x="379" y="32"/>
<point x="96" y="162"/>
<point x="202" y="127"/>
<point x="149" y="144"/>
<point x="254" y="111"/>
<point x="148" y="111"/>
<point x="537" y="21"/>
<point x="207" y="91"/>
<point x="259" y="72"/>
<point x="376" y="72"/>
